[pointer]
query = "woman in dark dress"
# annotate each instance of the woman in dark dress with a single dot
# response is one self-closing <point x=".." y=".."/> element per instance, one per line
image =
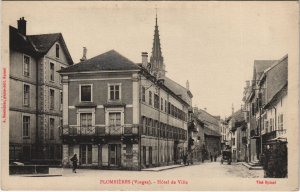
<point x="74" y="160"/>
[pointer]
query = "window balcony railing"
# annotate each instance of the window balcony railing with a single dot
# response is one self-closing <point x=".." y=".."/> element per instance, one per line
<point x="99" y="130"/>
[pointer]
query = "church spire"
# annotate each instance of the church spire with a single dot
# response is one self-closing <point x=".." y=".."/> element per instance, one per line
<point x="156" y="59"/>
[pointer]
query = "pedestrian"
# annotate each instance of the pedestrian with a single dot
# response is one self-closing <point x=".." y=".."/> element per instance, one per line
<point x="215" y="157"/>
<point x="211" y="157"/>
<point x="184" y="158"/>
<point x="74" y="161"/>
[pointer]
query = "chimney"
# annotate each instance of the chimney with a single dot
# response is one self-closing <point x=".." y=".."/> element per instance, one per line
<point x="205" y="108"/>
<point x="22" y="26"/>
<point x="84" y="54"/>
<point x="145" y="59"/>
<point x="187" y="85"/>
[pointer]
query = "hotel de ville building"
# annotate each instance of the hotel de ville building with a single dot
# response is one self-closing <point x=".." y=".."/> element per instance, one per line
<point x="118" y="114"/>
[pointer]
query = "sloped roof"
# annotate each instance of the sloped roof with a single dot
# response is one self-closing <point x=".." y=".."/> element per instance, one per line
<point x="36" y="44"/>
<point x="206" y="117"/>
<point x="19" y="42"/>
<point x="261" y="65"/>
<point x="178" y="89"/>
<point x="282" y="92"/>
<point x="276" y="77"/>
<point x="43" y="43"/>
<point x="108" y="61"/>
<point x="210" y="132"/>
<point x="238" y="116"/>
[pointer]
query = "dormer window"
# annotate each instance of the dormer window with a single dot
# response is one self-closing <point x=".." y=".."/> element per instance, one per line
<point x="57" y="51"/>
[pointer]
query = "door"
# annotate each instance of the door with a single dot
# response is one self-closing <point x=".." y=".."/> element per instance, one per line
<point x="86" y="154"/>
<point x="114" y="155"/>
<point x="144" y="155"/>
<point x="150" y="155"/>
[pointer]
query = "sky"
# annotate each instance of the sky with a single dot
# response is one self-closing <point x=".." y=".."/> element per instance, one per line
<point x="213" y="45"/>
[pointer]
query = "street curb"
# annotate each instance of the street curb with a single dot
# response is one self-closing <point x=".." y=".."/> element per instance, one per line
<point x="252" y="167"/>
<point x="58" y="175"/>
<point x="163" y="168"/>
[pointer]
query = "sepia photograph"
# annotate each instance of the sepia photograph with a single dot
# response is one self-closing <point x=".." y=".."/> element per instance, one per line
<point x="150" y="95"/>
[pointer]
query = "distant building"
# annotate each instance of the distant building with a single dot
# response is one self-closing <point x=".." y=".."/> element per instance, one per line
<point x="238" y="135"/>
<point x="212" y="135"/>
<point x="123" y="115"/>
<point x="35" y="108"/>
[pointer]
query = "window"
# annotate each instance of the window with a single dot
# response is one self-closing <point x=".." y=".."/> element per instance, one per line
<point x="280" y="122"/>
<point x="85" y="119"/>
<point x="150" y="98"/>
<point x="114" y="92"/>
<point x="51" y="71"/>
<point x="57" y="50"/>
<point x="161" y="104"/>
<point x="26" y="66"/>
<point x="26" y="96"/>
<point x="166" y="106"/>
<point x="51" y="99"/>
<point x="156" y="101"/>
<point x="61" y="100"/>
<point x="86" y="93"/>
<point x="267" y="126"/>
<point x="143" y="94"/>
<point x="271" y="124"/>
<point x="26" y="126"/>
<point x="115" y="119"/>
<point x="51" y="128"/>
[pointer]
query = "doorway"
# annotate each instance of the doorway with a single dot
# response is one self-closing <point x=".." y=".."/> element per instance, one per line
<point x="114" y="155"/>
<point x="85" y="154"/>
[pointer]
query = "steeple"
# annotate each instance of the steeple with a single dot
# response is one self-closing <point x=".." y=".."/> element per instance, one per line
<point x="156" y="59"/>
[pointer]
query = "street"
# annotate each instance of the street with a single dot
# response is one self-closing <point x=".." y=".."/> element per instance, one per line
<point x="181" y="178"/>
<point x="203" y="170"/>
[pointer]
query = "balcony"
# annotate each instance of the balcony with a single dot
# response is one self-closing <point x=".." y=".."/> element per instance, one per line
<point x="274" y="134"/>
<point x="99" y="130"/>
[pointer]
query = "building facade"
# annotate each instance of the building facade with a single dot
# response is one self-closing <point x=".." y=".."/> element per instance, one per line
<point x="35" y="107"/>
<point x="265" y="104"/>
<point x="121" y="115"/>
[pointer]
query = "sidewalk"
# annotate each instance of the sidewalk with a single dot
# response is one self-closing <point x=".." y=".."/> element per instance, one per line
<point x="162" y="168"/>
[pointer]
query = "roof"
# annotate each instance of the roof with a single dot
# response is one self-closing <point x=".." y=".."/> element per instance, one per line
<point x="210" y="132"/>
<point x="19" y="42"/>
<point x="282" y="92"/>
<point x="43" y="43"/>
<point x="36" y="44"/>
<point x="208" y="118"/>
<point x="108" y="61"/>
<point x="276" y="77"/>
<point x="178" y="89"/>
<point x="261" y="65"/>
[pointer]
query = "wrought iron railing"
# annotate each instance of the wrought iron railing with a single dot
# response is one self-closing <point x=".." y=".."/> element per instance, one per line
<point x="73" y="130"/>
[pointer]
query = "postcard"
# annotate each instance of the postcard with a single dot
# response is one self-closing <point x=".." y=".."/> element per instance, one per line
<point x="150" y="95"/>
